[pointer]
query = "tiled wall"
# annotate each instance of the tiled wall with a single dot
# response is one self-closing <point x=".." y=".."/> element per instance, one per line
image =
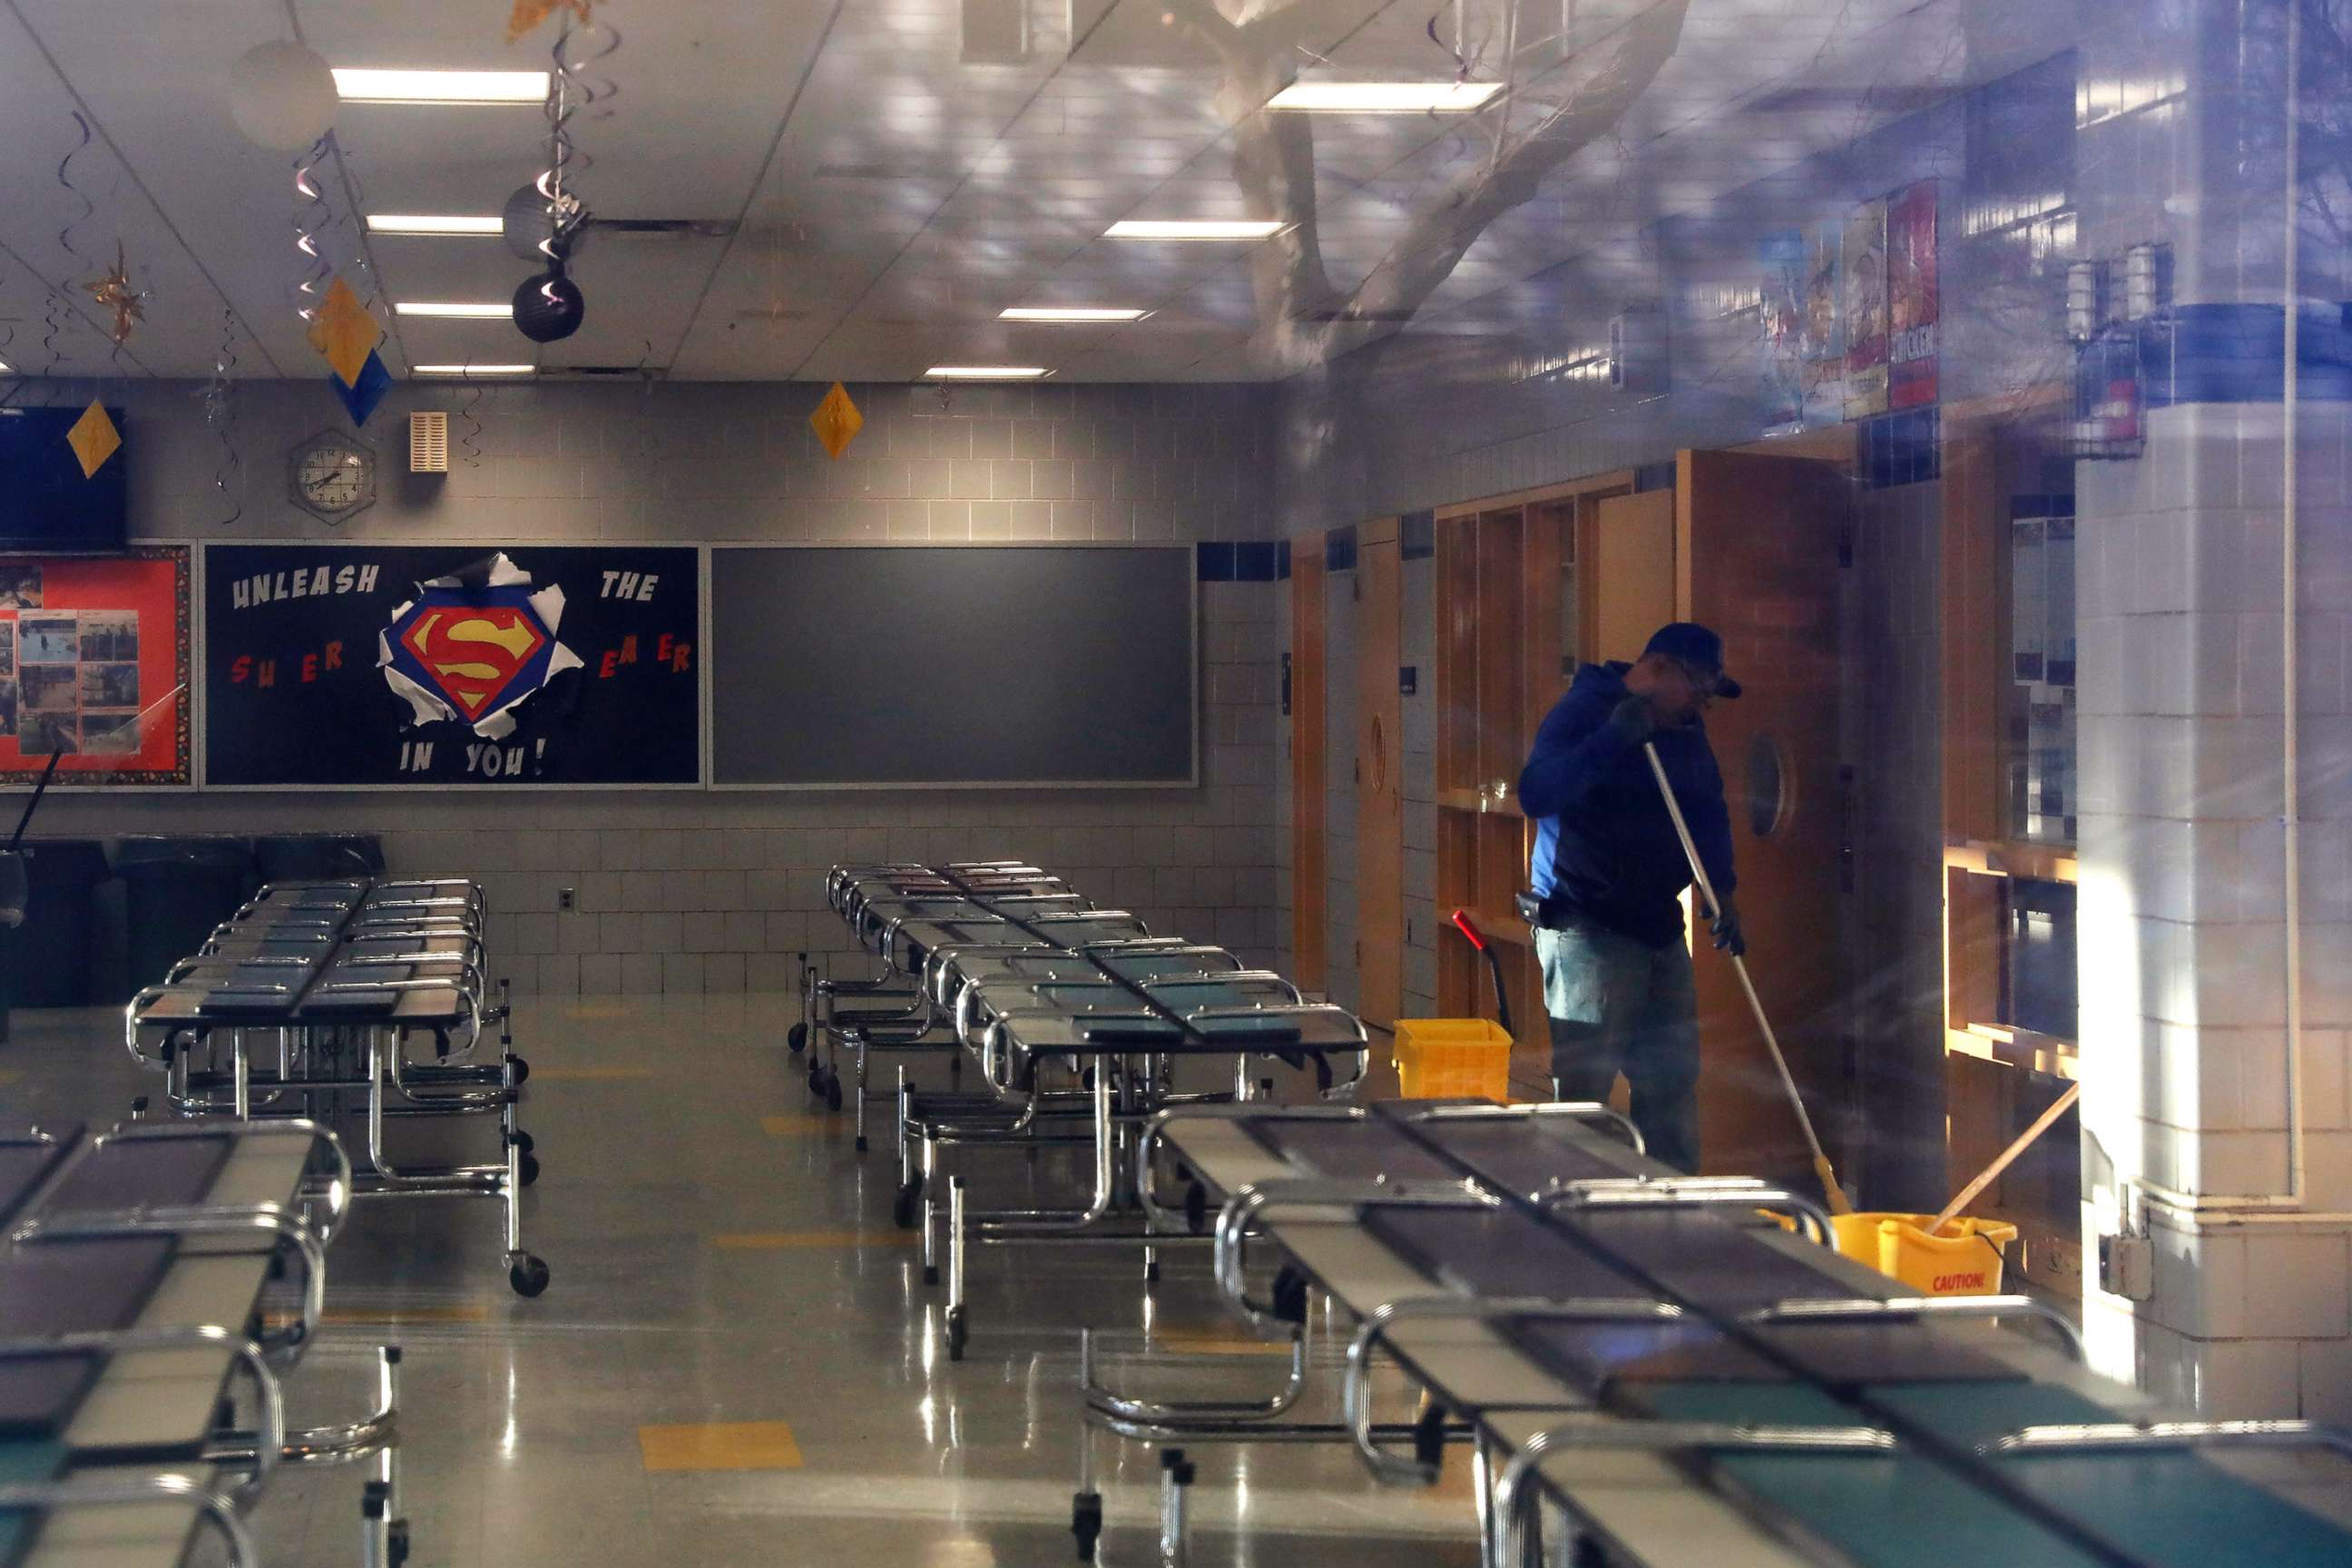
<point x="2183" y="904"/>
<point x="687" y="892"/>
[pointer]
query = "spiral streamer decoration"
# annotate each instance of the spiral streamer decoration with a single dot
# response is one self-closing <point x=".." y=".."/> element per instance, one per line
<point x="65" y="178"/>
<point x="53" y="304"/>
<point x="470" y="444"/>
<point x="312" y="215"/>
<point x="220" y="418"/>
<point x="53" y="326"/>
<point x="579" y="90"/>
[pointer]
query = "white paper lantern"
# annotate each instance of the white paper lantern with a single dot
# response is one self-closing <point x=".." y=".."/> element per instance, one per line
<point x="282" y="96"/>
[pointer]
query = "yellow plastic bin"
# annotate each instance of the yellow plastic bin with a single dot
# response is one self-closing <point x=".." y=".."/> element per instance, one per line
<point x="1964" y="1258"/>
<point x="1453" y="1059"/>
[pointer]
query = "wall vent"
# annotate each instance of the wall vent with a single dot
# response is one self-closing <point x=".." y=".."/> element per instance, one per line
<point x="429" y="443"/>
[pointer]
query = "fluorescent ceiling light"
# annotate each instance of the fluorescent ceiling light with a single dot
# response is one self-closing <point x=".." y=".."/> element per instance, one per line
<point x="475" y="369"/>
<point x="1385" y="97"/>
<point x="483" y="310"/>
<point x="441" y="87"/>
<point x="1192" y="229"/>
<point x="986" y="372"/>
<point x="1070" y="313"/>
<point x="412" y="223"/>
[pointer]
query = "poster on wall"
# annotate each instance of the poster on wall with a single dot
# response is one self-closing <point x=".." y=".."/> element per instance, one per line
<point x="94" y="666"/>
<point x="1863" y="267"/>
<point x="451" y="664"/>
<point x="1911" y="302"/>
<point x="1804" y="343"/>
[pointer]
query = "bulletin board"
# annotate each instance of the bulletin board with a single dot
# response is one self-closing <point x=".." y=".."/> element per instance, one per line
<point x="399" y="666"/>
<point x="94" y="659"/>
<point x="954" y="666"/>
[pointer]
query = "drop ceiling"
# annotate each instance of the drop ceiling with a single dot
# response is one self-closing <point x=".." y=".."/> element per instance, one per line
<point x="871" y="199"/>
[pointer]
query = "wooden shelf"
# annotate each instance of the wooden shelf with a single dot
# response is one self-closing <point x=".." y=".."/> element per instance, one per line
<point x="2015" y="858"/>
<point x="2020" y="1048"/>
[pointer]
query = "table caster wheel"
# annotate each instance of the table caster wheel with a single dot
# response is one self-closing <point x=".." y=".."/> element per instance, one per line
<point x="796" y="1039"/>
<point x="1087" y="1522"/>
<point x="529" y="1169"/>
<point x="399" y="1543"/>
<point x="907" y="1208"/>
<point x="832" y="1091"/>
<point x="528" y="1275"/>
<point x="521" y="1070"/>
<point x="957" y="1334"/>
<point x="815" y="1078"/>
<point x="525" y="1142"/>
<point x="860" y="1143"/>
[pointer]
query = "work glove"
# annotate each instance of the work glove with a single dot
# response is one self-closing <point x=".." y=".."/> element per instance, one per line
<point x="1725" y="928"/>
<point x="1633" y="722"/>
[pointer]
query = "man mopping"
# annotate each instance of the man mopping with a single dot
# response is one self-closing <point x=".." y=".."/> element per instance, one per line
<point x="1609" y="872"/>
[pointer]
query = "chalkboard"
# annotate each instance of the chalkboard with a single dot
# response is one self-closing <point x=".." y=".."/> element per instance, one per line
<point x="953" y="664"/>
<point x="363" y="665"/>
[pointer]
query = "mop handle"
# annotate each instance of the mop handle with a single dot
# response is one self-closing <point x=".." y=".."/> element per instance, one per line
<point x="1714" y="909"/>
<point x="2008" y="1156"/>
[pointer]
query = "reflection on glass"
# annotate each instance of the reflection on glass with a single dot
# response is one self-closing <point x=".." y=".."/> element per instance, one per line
<point x="2039" y="697"/>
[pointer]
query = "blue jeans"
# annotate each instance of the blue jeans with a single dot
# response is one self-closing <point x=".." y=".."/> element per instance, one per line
<point x="1621" y="1006"/>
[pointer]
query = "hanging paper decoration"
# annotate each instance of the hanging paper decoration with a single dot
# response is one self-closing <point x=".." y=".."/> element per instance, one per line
<point x="837" y="421"/>
<point x="93" y="438"/>
<point x="362" y="397"/>
<point x="311" y="215"/>
<point x="56" y="304"/>
<point x="112" y="290"/>
<point x="343" y="333"/>
<point x="529" y="13"/>
<point x="220" y="416"/>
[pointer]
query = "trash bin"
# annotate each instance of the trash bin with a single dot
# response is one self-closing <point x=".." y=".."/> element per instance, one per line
<point x="175" y="891"/>
<point x="318" y="857"/>
<point x="49" y="956"/>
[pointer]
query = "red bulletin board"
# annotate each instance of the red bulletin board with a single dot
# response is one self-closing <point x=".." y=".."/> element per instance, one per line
<point x="94" y="653"/>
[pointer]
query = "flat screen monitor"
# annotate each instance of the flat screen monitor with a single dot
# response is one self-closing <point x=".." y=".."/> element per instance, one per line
<point x="47" y="505"/>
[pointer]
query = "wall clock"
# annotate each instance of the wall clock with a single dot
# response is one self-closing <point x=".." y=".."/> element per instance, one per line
<point x="332" y="477"/>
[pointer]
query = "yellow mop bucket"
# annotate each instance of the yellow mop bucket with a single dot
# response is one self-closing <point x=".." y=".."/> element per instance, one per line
<point x="1964" y="1258"/>
<point x="1453" y="1059"/>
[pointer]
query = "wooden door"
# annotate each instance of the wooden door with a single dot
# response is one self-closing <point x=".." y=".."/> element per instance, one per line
<point x="1756" y="558"/>
<point x="1308" y="867"/>
<point x="1380" y="779"/>
<point x="1631" y="580"/>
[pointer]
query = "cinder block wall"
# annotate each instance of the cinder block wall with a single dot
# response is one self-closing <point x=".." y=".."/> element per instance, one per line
<point x="684" y="891"/>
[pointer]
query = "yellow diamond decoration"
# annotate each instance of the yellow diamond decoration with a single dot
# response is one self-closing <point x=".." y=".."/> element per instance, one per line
<point x="837" y="421"/>
<point x="344" y="332"/>
<point x="93" y="439"/>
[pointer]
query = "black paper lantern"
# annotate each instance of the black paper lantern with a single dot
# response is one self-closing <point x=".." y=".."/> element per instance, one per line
<point x="549" y="306"/>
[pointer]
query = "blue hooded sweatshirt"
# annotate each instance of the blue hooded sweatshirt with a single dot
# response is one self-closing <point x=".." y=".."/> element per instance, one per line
<point x="1605" y="848"/>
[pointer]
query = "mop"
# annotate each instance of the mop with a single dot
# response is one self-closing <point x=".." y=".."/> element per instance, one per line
<point x="1839" y="1203"/>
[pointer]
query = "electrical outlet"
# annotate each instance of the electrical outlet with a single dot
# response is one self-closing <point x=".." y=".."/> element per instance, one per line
<point x="566" y="899"/>
<point x="2128" y="1267"/>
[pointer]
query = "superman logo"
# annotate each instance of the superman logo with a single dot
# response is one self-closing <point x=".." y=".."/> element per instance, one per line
<point x="472" y="650"/>
<point x="472" y="653"/>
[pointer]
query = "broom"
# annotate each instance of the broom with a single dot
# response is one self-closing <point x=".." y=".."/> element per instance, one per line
<point x="1839" y="1203"/>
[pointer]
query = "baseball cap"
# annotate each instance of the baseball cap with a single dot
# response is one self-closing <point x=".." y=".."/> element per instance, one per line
<point x="1695" y="647"/>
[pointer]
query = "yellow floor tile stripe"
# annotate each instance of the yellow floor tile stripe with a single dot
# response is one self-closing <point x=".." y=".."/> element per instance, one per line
<point x="780" y="1240"/>
<point x="719" y="1445"/>
<point x="586" y="1075"/>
